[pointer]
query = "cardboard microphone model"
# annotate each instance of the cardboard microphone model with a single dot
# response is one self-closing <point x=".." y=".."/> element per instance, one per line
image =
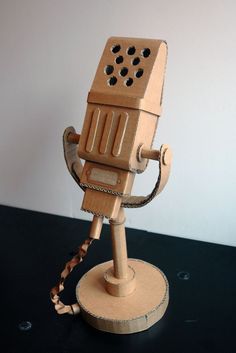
<point x="124" y="105"/>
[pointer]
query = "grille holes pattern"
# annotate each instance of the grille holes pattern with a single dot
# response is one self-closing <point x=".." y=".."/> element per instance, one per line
<point x="109" y="69"/>
<point x="139" y="73"/>
<point x="123" y="72"/>
<point x="131" y="50"/>
<point x="136" y="61"/>
<point x="115" y="48"/>
<point x="129" y="82"/>
<point x="112" y="81"/>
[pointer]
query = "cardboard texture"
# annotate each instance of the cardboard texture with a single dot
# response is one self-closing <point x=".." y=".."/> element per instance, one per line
<point x="124" y="105"/>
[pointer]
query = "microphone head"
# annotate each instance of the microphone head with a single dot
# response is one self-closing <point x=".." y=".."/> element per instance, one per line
<point x="131" y="74"/>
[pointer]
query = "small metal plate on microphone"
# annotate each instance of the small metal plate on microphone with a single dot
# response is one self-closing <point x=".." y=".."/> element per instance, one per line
<point x="103" y="176"/>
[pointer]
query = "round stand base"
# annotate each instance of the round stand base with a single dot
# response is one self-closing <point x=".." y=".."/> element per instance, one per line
<point x="133" y="313"/>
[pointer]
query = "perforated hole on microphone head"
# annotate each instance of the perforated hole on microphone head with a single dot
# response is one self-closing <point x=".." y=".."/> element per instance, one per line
<point x="123" y="72"/>
<point x="131" y="50"/>
<point x="109" y="69"/>
<point x="119" y="59"/>
<point x="112" y="81"/>
<point x="139" y="73"/>
<point x="136" y="61"/>
<point x="129" y="82"/>
<point x="146" y="52"/>
<point x="115" y="48"/>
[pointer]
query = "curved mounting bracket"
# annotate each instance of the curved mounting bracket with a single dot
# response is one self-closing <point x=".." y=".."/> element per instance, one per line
<point x="73" y="162"/>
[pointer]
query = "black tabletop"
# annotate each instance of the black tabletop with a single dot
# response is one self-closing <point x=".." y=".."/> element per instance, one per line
<point x="201" y="316"/>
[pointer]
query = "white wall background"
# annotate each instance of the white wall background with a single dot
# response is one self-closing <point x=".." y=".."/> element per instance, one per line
<point x="49" y="51"/>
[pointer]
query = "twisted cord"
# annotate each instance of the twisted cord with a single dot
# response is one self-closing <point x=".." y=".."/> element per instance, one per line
<point x="60" y="307"/>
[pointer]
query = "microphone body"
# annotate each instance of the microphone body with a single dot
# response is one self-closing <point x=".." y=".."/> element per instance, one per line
<point x="123" y="108"/>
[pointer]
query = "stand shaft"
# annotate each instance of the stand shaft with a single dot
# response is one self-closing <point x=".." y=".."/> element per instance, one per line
<point x="119" y="248"/>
